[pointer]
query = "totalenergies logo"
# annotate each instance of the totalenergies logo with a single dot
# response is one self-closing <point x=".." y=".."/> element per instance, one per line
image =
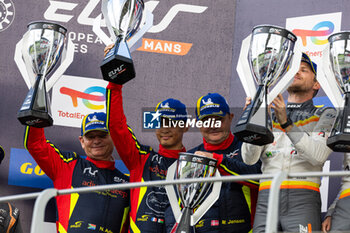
<point x="86" y="96"/>
<point x="327" y="27"/>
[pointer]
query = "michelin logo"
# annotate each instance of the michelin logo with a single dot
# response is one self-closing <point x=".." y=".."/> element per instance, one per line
<point x="209" y="101"/>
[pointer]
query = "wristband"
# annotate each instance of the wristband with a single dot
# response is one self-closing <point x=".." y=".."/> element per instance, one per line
<point x="288" y="123"/>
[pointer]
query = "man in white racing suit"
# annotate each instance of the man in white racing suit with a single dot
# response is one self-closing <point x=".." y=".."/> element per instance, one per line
<point x="300" y="131"/>
<point x="338" y="214"/>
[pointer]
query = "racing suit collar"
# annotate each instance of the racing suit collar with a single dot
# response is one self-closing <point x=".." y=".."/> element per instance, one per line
<point x="102" y="163"/>
<point x="222" y="146"/>
<point x="170" y="153"/>
<point x="308" y="103"/>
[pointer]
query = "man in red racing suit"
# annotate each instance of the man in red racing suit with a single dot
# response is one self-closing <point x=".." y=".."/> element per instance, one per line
<point x="234" y="211"/>
<point x="101" y="211"/>
<point x="147" y="203"/>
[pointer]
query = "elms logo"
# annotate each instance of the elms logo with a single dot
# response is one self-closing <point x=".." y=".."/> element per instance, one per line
<point x="84" y="13"/>
<point x="324" y="28"/>
<point x="314" y="30"/>
<point x="74" y="97"/>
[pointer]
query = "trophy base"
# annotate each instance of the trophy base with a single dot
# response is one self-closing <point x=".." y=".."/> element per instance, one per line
<point x="253" y="134"/>
<point x="35" y="118"/>
<point x="339" y="143"/>
<point x="118" y="69"/>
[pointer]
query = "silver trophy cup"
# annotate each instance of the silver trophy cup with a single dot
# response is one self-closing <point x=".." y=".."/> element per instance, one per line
<point x="200" y="196"/>
<point x="339" y="58"/>
<point x="270" y="55"/>
<point x="42" y="48"/>
<point x="123" y="19"/>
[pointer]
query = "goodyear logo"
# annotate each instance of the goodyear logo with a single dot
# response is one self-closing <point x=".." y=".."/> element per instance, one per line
<point x="27" y="168"/>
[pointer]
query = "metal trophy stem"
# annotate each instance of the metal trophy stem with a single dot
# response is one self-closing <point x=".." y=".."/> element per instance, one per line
<point x="259" y="132"/>
<point x="184" y="225"/>
<point x="35" y="110"/>
<point x="123" y="19"/>
<point x="196" y="198"/>
<point x="41" y="48"/>
<point x="339" y="58"/>
<point x="269" y="57"/>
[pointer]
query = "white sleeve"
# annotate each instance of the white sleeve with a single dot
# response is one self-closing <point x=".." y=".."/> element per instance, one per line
<point x="251" y="153"/>
<point x="312" y="146"/>
<point x="346" y="163"/>
<point x="331" y="208"/>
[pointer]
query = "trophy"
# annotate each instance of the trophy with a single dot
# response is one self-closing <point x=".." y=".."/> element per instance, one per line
<point x="37" y="53"/>
<point x="124" y="19"/>
<point x="269" y="55"/>
<point x="337" y="67"/>
<point x="196" y="198"/>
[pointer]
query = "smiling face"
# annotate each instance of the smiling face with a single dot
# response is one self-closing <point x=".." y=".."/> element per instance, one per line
<point x="214" y="135"/>
<point x="304" y="80"/>
<point x="97" y="145"/>
<point x="170" y="137"/>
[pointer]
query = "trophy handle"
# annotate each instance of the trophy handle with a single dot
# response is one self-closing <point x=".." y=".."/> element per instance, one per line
<point x="96" y="28"/>
<point x="135" y="41"/>
<point x="328" y="82"/>
<point x="208" y="202"/>
<point x="66" y="60"/>
<point x="23" y="63"/>
<point x="130" y="14"/>
<point x="243" y="68"/>
<point x="247" y="79"/>
<point x="287" y="78"/>
<point x="24" y="67"/>
<point x="104" y="10"/>
<point x="171" y="192"/>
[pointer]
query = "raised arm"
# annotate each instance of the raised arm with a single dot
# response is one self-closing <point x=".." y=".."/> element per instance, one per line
<point x="131" y="152"/>
<point x="49" y="158"/>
